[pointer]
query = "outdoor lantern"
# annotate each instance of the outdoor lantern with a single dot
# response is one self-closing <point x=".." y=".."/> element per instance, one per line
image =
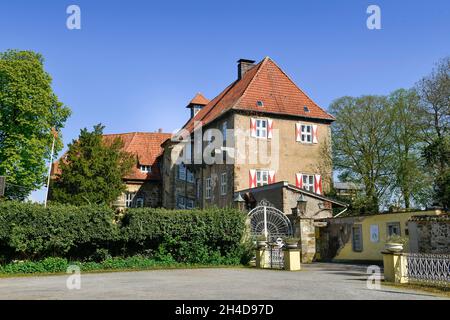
<point x="239" y="202"/>
<point x="301" y="205"/>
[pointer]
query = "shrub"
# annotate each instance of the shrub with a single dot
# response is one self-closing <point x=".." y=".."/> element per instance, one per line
<point x="90" y="234"/>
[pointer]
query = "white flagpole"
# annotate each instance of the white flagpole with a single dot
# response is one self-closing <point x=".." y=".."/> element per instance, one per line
<point x="49" y="172"/>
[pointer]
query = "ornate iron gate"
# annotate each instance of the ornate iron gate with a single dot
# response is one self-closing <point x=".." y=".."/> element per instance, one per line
<point x="275" y="257"/>
<point x="429" y="268"/>
<point x="267" y="220"/>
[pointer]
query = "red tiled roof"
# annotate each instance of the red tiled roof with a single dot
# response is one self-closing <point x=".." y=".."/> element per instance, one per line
<point x="146" y="146"/>
<point x="265" y="82"/>
<point x="199" y="99"/>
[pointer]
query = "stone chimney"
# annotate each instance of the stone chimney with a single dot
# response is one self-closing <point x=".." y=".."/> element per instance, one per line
<point x="243" y="66"/>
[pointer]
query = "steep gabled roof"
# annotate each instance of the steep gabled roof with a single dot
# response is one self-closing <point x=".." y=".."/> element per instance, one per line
<point x="146" y="146"/>
<point x="199" y="99"/>
<point x="264" y="82"/>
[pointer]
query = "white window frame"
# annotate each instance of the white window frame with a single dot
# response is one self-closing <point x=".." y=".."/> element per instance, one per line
<point x="262" y="177"/>
<point x="308" y="182"/>
<point x="305" y="135"/>
<point x="261" y="131"/>
<point x="181" y="202"/>
<point x="189" y="176"/>
<point x="223" y="184"/>
<point x="189" y="203"/>
<point x="129" y="197"/>
<point x="182" y="171"/>
<point x="139" y="202"/>
<point x="208" y="188"/>
<point x="145" y="168"/>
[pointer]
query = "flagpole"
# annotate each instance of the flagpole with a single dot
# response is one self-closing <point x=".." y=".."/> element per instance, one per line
<point x="49" y="171"/>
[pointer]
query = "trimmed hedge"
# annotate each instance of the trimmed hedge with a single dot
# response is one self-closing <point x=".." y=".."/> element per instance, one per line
<point x="94" y="233"/>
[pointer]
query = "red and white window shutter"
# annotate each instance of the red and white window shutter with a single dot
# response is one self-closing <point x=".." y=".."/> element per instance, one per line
<point x="315" y="138"/>
<point x="253" y="127"/>
<point x="299" y="180"/>
<point x="298" y="132"/>
<point x="318" y="184"/>
<point x="271" y="176"/>
<point x="269" y="128"/>
<point x="252" y="178"/>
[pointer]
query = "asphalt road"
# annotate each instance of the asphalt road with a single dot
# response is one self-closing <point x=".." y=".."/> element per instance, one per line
<point x="316" y="281"/>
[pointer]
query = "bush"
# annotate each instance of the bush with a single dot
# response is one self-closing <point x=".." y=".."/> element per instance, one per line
<point x="90" y="234"/>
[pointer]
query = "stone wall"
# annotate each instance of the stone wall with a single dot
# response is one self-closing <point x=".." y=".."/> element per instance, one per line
<point x="430" y="234"/>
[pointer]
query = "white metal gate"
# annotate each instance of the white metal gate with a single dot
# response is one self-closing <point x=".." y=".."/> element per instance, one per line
<point x="267" y="220"/>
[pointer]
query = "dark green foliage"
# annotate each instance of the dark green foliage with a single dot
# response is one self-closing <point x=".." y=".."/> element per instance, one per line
<point x="93" y="170"/>
<point x="91" y="234"/>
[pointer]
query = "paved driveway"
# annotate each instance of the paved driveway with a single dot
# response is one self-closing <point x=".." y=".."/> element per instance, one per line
<point x="316" y="281"/>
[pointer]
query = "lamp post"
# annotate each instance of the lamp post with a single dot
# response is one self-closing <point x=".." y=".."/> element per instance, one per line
<point x="301" y="205"/>
<point x="239" y="202"/>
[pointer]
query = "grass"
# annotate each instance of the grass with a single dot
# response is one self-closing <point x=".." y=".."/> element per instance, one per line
<point x="438" y="290"/>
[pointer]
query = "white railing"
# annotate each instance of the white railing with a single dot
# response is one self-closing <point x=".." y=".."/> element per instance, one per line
<point x="428" y="268"/>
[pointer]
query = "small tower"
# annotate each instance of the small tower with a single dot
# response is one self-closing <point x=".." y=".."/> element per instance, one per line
<point x="197" y="103"/>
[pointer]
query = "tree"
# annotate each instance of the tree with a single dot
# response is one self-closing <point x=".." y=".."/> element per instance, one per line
<point x="362" y="144"/>
<point x="29" y="109"/>
<point x="92" y="170"/>
<point x="410" y="181"/>
<point x="434" y="91"/>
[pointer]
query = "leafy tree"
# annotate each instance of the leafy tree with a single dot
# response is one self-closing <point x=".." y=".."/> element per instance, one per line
<point x="410" y="181"/>
<point x="362" y="145"/>
<point x="29" y="109"/>
<point x="92" y="170"/>
<point x="434" y="91"/>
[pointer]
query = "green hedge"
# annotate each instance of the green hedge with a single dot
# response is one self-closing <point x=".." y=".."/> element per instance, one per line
<point x="94" y="233"/>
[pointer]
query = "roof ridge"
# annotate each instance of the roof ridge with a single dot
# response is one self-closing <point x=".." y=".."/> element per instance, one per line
<point x="259" y="65"/>
<point x="293" y="82"/>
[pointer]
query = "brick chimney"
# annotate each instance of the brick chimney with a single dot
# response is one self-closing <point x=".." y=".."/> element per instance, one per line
<point x="243" y="66"/>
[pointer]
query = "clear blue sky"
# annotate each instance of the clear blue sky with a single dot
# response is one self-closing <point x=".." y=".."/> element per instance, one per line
<point x="134" y="65"/>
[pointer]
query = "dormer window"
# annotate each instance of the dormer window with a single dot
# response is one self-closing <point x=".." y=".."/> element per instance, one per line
<point x="259" y="103"/>
<point x="305" y="108"/>
<point x="145" y="168"/>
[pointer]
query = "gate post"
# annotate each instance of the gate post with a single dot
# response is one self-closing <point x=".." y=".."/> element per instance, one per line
<point x="261" y="258"/>
<point x="292" y="259"/>
<point x="395" y="269"/>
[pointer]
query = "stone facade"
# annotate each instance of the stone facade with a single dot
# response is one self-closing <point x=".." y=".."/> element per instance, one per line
<point x="148" y="191"/>
<point x="430" y="234"/>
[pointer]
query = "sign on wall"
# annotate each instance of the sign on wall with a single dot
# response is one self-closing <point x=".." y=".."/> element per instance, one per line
<point x="2" y="185"/>
<point x="374" y="233"/>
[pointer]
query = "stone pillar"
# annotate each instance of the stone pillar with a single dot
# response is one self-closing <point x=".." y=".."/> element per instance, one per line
<point x="261" y="258"/>
<point x="292" y="259"/>
<point x="305" y="230"/>
<point x="395" y="267"/>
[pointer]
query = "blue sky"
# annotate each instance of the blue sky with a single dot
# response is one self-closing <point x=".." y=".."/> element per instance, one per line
<point x="134" y="65"/>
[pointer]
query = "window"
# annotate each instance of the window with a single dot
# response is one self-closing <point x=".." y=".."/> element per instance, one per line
<point x="181" y="202"/>
<point x="181" y="171"/>
<point x="208" y="188"/>
<point x="262" y="177"/>
<point x="305" y="108"/>
<point x="140" y="202"/>
<point x="308" y="182"/>
<point x="223" y="184"/>
<point x="306" y="133"/>
<point x="261" y="128"/>
<point x="189" y="176"/>
<point x="393" y="228"/>
<point x="259" y="103"/>
<point x="129" y="196"/>
<point x="145" y="168"/>
<point x="224" y="131"/>
<point x="357" y="244"/>
<point x="189" y="204"/>
<point x="199" y="188"/>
